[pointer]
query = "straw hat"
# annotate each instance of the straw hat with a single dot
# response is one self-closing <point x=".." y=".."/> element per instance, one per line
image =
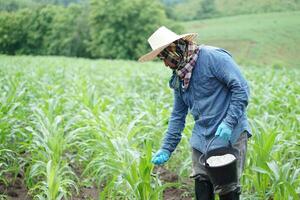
<point x="162" y="38"/>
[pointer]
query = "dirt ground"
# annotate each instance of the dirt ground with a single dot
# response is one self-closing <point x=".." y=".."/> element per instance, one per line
<point x="183" y="193"/>
<point x="15" y="191"/>
<point x="18" y="191"/>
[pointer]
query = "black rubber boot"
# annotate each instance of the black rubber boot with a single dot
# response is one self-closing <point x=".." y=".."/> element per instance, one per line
<point x="204" y="190"/>
<point x="230" y="196"/>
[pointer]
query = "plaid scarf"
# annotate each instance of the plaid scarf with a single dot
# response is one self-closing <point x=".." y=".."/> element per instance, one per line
<point x="183" y="54"/>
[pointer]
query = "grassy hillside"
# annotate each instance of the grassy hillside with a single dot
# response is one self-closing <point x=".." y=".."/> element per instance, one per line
<point x="233" y="7"/>
<point x="199" y="9"/>
<point x="257" y="39"/>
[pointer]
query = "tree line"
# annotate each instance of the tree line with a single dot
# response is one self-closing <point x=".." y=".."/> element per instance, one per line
<point x="13" y="5"/>
<point x="115" y="29"/>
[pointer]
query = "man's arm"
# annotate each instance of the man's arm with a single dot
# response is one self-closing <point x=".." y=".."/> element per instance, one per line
<point x="176" y="124"/>
<point x="227" y="71"/>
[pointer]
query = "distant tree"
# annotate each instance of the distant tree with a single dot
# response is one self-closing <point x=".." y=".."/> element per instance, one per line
<point x="38" y="26"/>
<point x="106" y="29"/>
<point x="119" y="28"/>
<point x="12" y="31"/>
<point x="171" y="2"/>
<point x="208" y="6"/>
<point x="26" y="31"/>
<point x="13" y="5"/>
<point x="207" y="9"/>
<point x="48" y="30"/>
<point x="58" y="2"/>
<point x="69" y="32"/>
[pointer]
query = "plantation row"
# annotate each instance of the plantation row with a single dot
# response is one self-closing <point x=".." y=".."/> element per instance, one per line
<point x="70" y="123"/>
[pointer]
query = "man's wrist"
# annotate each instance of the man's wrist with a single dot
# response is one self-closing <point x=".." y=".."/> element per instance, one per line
<point x="165" y="151"/>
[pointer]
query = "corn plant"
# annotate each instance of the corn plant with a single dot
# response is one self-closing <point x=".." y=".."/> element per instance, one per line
<point x="70" y="122"/>
<point x="12" y="96"/>
<point x="50" y="176"/>
<point x="272" y="155"/>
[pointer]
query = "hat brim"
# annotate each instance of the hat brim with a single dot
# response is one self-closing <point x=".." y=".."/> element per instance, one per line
<point x="152" y="54"/>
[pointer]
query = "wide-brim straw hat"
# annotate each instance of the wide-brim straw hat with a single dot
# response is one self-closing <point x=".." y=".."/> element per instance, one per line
<point x="162" y="38"/>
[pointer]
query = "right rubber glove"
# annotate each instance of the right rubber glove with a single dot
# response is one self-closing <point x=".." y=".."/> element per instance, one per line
<point x="161" y="157"/>
<point x="224" y="131"/>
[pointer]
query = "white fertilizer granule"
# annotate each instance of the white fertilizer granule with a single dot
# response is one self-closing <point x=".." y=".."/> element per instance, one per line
<point x="216" y="161"/>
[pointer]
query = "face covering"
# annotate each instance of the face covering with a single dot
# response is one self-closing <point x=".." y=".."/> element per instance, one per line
<point x="183" y="54"/>
<point x="179" y="52"/>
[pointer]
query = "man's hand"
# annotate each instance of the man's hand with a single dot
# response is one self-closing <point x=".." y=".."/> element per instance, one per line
<point x="161" y="157"/>
<point x="224" y="131"/>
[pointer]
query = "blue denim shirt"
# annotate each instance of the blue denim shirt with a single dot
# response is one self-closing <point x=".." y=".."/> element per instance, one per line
<point x="217" y="93"/>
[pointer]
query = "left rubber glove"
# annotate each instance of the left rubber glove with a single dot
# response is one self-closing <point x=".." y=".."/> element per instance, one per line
<point x="224" y="131"/>
<point x="161" y="157"/>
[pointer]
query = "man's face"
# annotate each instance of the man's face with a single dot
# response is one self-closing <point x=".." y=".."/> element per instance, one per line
<point x="171" y="55"/>
<point x="169" y="64"/>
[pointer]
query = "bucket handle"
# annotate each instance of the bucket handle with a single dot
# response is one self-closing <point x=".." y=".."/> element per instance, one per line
<point x="208" y="145"/>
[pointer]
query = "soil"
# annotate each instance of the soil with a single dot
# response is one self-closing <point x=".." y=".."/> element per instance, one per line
<point x="87" y="193"/>
<point x="18" y="191"/>
<point x="15" y="191"/>
<point x="182" y="193"/>
<point x="177" y="194"/>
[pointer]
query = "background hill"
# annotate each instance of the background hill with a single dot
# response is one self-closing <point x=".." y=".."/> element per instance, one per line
<point x="256" y="39"/>
<point x="251" y="30"/>
<point x="183" y="9"/>
<point x="199" y="9"/>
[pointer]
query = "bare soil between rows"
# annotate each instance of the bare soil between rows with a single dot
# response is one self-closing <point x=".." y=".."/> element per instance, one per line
<point x="17" y="190"/>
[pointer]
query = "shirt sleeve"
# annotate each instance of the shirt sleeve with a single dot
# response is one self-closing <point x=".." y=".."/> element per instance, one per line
<point x="176" y="123"/>
<point x="226" y="70"/>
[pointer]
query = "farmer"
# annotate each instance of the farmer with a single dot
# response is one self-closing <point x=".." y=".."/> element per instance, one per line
<point x="207" y="82"/>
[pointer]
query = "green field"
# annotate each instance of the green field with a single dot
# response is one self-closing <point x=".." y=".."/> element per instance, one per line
<point x="234" y="7"/>
<point x="258" y="39"/>
<point x="199" y="9"/>
<point x="70" y="125"/>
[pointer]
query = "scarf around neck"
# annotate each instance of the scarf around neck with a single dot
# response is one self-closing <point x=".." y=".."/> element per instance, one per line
<point x="183" y="54"/>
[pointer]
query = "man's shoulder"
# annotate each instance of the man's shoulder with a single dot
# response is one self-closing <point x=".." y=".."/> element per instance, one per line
<point x="212" y="50"/>
<point x="211" y="57"/>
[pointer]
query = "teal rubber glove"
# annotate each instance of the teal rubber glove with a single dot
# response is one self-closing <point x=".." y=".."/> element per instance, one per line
<point x="224" y="131"/>
<point x="161" y="157"/>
